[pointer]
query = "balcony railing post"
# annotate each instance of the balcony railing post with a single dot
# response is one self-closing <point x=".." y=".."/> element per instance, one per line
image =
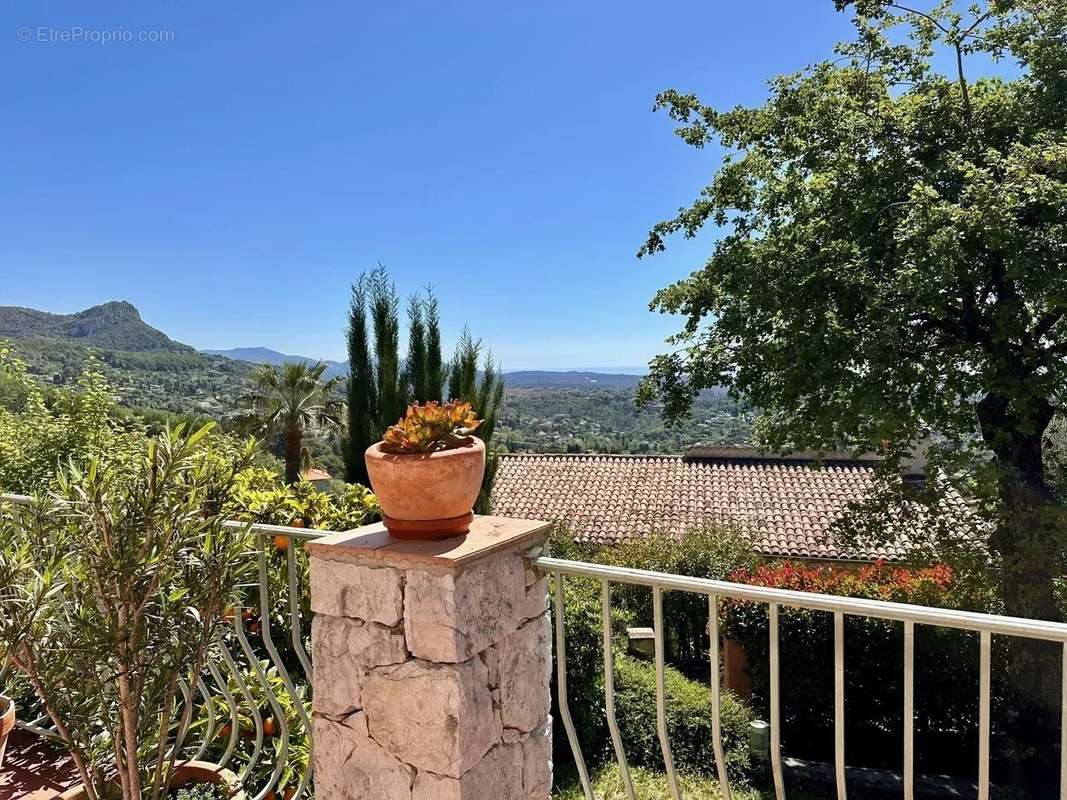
<point x="431" y="665"/>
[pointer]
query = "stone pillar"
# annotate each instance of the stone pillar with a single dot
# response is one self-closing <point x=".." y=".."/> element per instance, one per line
<point x="431" y="664"/>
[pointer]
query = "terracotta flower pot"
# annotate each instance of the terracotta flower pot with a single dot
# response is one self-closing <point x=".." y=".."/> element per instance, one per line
<point x="427" y="495"/>
<point x="187" y="772"/>
<point x="7" y="723"/>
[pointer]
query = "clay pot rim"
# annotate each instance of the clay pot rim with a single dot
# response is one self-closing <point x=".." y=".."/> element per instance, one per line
<point x="471" y="444"/>
<point x="225" y="778"/>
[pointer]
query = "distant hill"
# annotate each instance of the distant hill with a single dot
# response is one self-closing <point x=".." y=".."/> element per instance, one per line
<point x="264" y="355"/>
<point x="147" y="368"/>
<point x="519" y="379"/>
<point x="116" y="325"/>
<point x="546" y="379"/>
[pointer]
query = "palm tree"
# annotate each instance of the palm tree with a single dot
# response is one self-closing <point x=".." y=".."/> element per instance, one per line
<point x="290" y="400"/>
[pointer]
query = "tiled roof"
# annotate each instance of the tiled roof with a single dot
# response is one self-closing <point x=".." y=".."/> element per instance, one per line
<point x="785" y="506"/>
<point x="315" y="475"/>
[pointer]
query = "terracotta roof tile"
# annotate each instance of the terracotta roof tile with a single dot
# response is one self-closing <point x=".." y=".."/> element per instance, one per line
<point x="787" y="506"/>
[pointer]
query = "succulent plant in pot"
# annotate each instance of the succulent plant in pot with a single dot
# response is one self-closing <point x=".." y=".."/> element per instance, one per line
<point x="114" y="589"/>
<point x="427" y="470"/>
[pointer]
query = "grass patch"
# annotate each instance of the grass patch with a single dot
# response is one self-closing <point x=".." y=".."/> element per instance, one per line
<point x="649" y="785"/>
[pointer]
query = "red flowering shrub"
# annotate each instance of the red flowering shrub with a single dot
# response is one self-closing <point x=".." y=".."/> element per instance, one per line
<point x="946" y="666"/>
<point x="878" y="581"/>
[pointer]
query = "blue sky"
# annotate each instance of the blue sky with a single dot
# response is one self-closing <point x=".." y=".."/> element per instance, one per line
<point x="233" y="181"/>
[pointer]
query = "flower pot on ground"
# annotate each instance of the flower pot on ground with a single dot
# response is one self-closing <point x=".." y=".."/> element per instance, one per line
<point x="7" y="723"/>
<point x="187" y="774"/>
<point x="427" y="471"/>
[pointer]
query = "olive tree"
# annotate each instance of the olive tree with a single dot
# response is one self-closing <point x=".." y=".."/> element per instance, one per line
<point x="892" y="257"/>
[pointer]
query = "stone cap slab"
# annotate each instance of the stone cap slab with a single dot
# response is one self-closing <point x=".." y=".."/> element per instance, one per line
<point x="372" y="544"/>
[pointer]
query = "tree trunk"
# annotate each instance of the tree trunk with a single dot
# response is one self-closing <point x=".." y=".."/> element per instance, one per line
<point x="1029" y="538"/>
<point x="294" y="438"/>
<point x="1029" y="535"/>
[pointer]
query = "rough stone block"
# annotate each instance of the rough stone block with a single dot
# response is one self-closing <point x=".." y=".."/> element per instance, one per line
<point x="536" y="602"/>
<point x="498" y="776"/>
<point x="349" y="765"/>
<point x="451" y="617"/>
<point x="343" y="652"/>
<point x="537" y="763"/>
<point x="525" y="662"/>
<point x="342" y="589"/>
<point x="437" y="717"/>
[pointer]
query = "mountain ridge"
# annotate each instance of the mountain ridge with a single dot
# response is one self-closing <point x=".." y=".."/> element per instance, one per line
<point x="115" y="325"/>
<point x="517" y="379"/>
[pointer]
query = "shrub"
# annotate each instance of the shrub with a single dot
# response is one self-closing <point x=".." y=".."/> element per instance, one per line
<point x="260" y="496"/>
<point x="711" y="551"/>
<point x="688" y="701"/>
<point x="946" y="667"/>
<point x="124" y="585"/>
<point x="40" y="433"/>
<point x="650" y="785"/>
<point x="688" y="705"/>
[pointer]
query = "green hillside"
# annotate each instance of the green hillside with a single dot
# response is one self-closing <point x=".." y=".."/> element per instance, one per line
<point x="147" y="367"/>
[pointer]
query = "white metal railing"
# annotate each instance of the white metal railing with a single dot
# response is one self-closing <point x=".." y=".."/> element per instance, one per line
<point x="986" y="625"/>
<point x="255" y="679"/>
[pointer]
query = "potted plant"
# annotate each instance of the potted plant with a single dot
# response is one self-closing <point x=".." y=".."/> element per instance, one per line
<point x="115" y="586"/>
<point x="427" y="470"/>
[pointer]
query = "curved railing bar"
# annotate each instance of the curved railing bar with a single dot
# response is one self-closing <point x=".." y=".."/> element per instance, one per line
<point x="227" y="695"/>
<point x="295" y="630"/>
<point x="186" y="718"/>
<point x="561" y="692"/>
<point x="609" y="691"/>
<point x="210" y="732"/>
<point x="661" y="694"/>
<point x="716" y="698"/>
<point x="242" y="686"/>
<point x="268" y="642"/>
<point x="775" y="703"/>
<point x="261" y="676"/>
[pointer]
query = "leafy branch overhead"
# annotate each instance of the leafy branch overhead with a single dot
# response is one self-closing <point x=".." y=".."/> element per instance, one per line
<point x="892" y="257"/>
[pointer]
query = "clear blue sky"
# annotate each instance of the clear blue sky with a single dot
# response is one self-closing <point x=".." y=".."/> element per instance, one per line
<point x="232" y="182"/>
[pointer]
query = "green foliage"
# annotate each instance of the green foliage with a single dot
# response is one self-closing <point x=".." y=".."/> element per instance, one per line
<point x="603" y="420"/>
<point x="713" y="551"/>
<point x="40" y="434"/>
<point x="652" y="785"/>
<point x="259" y="496"/>
<point x="389" y="379"/>
<point x="891" y="259"/>
<point x="291" y="400"/>
<point x="947" y="663"/>
<point x="1055" y="449"/>
<point x="486" y="395"/>
<point x="122" y="584"/>
<point x="297" y="755"/>
<point x="688" y="700"/>
<point x="424" y="367"/>
<point x="362" y="393"/>
<point x="200" y="791"/>
<point x="179" y="381"/>
<point x="688" y="721"/>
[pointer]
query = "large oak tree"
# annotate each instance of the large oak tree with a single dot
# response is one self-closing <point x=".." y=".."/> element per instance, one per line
<point x="892" y="256"/>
